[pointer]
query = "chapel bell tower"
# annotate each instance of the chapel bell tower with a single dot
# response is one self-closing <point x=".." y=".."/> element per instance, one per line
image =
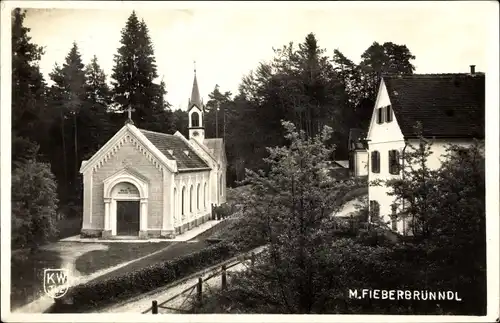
<point x="195" y="113"/>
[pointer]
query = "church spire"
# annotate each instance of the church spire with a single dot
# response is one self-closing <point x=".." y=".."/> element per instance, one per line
<point x="195" y="113"/>
<point x="195" y="93"/>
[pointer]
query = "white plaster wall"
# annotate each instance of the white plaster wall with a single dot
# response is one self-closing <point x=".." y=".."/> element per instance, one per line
<point x="187" y="180"/>
<point x="379" y="193"/>
<point x="361" y="163"/>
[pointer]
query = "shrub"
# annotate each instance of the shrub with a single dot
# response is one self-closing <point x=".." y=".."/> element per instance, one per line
<point x="34" y="205"/>
<point x="223" y="211"/>
<point x="97" y="294"/>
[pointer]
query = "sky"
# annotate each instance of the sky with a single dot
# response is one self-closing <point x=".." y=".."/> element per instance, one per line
<point x="228" y="40"/>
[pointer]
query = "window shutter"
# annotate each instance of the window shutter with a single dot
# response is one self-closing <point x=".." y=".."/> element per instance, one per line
<point x="375" y="162"/>
<point x="380" y="115"/>
<point x="388" y="112"/>
<point x="396" y="162"/>
<point x="391" y="161"/>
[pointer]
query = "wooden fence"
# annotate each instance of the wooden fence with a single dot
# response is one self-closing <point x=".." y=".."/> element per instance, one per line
<point x="221" y="271"/>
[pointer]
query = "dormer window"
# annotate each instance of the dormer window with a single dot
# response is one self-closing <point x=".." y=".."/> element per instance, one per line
<point x="380" y="115"/>
<point x="388" y="113"/>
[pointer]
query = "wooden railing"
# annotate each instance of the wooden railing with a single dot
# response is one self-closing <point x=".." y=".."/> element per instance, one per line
<point x="221" y="271"/>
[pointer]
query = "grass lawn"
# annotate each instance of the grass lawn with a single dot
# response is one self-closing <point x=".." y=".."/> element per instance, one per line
<point x="116" y="254"/>
<point x="175" y="250"/>
<point x="27" y="275"/>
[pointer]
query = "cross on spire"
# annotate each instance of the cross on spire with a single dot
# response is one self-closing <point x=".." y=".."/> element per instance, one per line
<point x="194" y="63"/>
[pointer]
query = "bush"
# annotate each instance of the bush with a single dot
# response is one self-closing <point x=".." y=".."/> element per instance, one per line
<point x="93" y="295"/>
<point x="34" y="205"/>
<point x="223" y="211"/>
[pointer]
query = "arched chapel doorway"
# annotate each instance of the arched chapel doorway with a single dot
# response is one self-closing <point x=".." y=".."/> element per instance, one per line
<point x="127" y="200"/>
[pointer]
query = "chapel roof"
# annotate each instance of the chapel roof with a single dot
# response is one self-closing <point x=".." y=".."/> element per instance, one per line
<point x="175" y="148"/>
<point x="447" y="105"/>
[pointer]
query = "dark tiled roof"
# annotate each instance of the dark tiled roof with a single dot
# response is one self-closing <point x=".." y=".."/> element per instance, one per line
<point x="447" y="105"/>
<point x="166" y="143"/>
<point x="215" y="145"/>
<point x="355" y="136"/>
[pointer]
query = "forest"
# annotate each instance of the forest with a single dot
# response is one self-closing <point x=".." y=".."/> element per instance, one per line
<point x="56" y="126"/>
<point x="303" y="103"/>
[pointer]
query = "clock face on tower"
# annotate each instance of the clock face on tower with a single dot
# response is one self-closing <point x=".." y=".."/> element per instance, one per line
<point x="195" y="133"/>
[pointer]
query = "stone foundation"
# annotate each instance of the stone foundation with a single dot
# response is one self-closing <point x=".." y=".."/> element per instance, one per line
<point x="143" y="234"/>
<point x="153" y="233"/>
<point x="90" y="233"/>
<point x="167" y="234"/>
<point x="192" y="224"/>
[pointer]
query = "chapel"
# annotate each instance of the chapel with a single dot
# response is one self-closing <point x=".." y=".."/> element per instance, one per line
<point x="143" y="184"/>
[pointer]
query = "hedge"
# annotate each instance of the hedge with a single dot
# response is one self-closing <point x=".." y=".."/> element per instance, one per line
<point x="98" y="294"/>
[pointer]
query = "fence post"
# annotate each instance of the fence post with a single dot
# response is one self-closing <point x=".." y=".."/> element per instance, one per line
<point x="154" y="309"/>
<point x="199" y="290"/>
<point x="224" y="277"/>
<point x="252" y="258"/>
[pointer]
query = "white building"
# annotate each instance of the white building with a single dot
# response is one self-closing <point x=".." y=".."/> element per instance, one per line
<point x="148" y="184"/>
<point x="450" y="108"/>
<point x="358" y="153"/>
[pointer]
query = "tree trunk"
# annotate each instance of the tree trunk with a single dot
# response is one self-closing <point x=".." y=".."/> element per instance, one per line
<point x="65" y="165"/>
<point x="76" y="147"/>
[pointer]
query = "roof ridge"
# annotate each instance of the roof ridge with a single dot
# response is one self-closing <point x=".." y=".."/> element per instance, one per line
<point x="432" y="75"/>
<point x="157" y="133"/>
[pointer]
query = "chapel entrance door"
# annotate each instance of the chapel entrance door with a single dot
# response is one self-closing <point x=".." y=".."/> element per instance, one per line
<point x="127" y="218"/>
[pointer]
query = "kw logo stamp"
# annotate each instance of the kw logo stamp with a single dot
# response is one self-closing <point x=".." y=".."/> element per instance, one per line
<point x="56" y="282"/>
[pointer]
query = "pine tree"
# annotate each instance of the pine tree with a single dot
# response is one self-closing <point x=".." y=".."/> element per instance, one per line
<point x="134" y="75"/>
<point x="94" y="116"/>
<point x="28" y="89"/>
<point x="68" y="96"/>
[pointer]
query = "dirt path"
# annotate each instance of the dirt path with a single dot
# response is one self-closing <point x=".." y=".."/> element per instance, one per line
<point x="143" y="302"/>
<point x="69" y="256"/>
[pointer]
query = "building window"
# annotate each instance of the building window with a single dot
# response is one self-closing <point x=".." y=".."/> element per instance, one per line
<point x="375" y="162"/>
<point x="195" y="119"/>
<point x="388" y="113"/>
<point x="394" y="218"/>
<point x="393" y="162"/>
<point x="198" y="197"/>
<point x="374" y="210"/>
<point x="205" y="195"/>
<point x="220" y="186"/>
<point x="191" y="199"/>
<point x="380" y="115"/>
<point x="175" y="203"/>
<point x="182" y="200"/>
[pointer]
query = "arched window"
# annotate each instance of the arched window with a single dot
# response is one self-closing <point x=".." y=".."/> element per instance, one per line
<point x="175" y="203"/>
<point x="191" y="199"/>
<point x="195" y="119"/>
<point x="205" y="195"/>
<point x="198" y="197"/>
<point x="182" y="200"/>
<point x="220" y="185"/>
